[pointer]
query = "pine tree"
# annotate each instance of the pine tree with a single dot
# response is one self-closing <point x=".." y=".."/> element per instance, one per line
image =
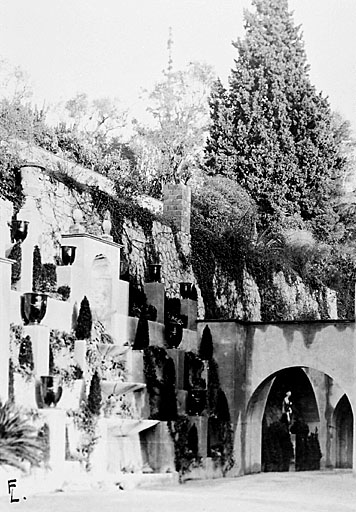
<point x="84" y="322"/>
<point x="271" y="131"/>
<point x="94" y="397"/>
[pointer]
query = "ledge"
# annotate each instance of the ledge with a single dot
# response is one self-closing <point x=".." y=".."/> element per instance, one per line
<point x="92" y="237"/>
<point x="275" y="322"/>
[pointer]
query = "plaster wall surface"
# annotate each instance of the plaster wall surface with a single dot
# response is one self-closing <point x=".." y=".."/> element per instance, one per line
<point x="327" y="347"/>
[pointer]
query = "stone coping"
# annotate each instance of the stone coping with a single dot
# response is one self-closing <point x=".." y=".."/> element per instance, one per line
<point x="275" y="322"/>
<point x="92" y="237"/>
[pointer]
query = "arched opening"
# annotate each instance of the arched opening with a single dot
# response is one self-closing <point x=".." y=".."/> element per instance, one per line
<point x="343" y="420"/>
<point x="290" y="424"/>
<point x="322" y="415"/>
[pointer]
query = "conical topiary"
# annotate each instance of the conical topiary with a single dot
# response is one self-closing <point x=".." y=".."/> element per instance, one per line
<point x="206" y="345"/>
<point x="94" y="398"/>
<point x="16" y="255"/>
<point x="51" y="361"/>
<point x="26" y="354"/>
<point x="142" y="338"/>
<point x="84" y="321"/>
<point x="36" y="269"/>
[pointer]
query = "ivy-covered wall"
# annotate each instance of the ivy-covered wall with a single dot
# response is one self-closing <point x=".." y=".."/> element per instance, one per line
<point x="148" y="237"/>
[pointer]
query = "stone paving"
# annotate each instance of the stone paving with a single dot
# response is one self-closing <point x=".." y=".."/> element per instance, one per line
<point x="332" y="491"/>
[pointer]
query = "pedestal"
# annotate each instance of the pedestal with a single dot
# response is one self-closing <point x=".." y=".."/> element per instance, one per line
<point x="99" y="457"/>
<point x="39" y="335"/>
<point x="123" y="298"/>
<point x="56" y="421"/>
<point x="190" y="309"/>
<point x="64" y="276"/>
<point x="5" y="287"/>
<point x="80" y="349"/>
<point x="155" y="296"/>
<point x="178" y="357"/>
<point x="134" y="365"/>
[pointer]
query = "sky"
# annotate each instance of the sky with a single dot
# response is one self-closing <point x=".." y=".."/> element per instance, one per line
<point x="117" y="48"/>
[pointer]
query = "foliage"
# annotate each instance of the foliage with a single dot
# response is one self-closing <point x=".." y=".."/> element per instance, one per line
<point x="26" y="355"/>
<point x="222" y="231"/>
<point x="16" y="255"/>
<point x="48" y="277"/>
<point x="17" y="339"/>
<point x="220" y="427"/>
<point x="60" y="340"/>
<point x="277" y="449"/>
<point x="186" y="455"/>
<point x="271" y="131"/>
<point x="62" y="344"/>
<point x="10" y="175"/>
<point x="84" y="321"/>
<point x="64" y="291"/>
<point x="18" y="439"/>
<point x="86" y="421"/>
<point x="159" y="374"/>
<point x="171" y="147"/>
<point x="206" y="347"/>
<point x="99" y="333"/>
<point x="94" y="397"/>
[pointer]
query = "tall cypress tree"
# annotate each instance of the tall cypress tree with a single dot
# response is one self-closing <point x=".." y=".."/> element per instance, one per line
<point x="271" y="130"/>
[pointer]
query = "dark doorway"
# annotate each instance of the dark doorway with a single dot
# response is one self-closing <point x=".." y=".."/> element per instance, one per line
<point x="344" y="433"/>
<point x="279" y="450"/>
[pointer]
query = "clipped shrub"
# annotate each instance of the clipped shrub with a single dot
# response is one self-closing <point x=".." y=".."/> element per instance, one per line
<point x="51" y="367"/>
<point x="64" y="291"/>
<point x="168" y="409"/>
<point x="206" y="347"/>
<point x="94" y="397"/>
<point x="16" y="255"/>
<point x="36" y="270"/>
<point x="84" y="321"/>
<point x="26" y="354"/>
<point x="193" y="293"/>
<point x="48" y="277"/>
<point x="142" y="337"/>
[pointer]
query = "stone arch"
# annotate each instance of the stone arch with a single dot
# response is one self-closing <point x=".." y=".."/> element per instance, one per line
<point x="342" y="427"/>
<point x="254" y="416"/>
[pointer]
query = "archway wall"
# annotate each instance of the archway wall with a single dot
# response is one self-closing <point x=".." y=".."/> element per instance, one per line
<point x="250" y="354"/>
<point x="327" y="347"/>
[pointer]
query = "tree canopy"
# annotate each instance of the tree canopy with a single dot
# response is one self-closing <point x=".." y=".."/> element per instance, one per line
<point x="271" y="130"/>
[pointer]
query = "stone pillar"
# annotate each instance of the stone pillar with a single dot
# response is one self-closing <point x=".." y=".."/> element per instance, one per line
<point x="155" y="296"/>
<point x="190" y="309"/>
<point x="177" y="205"/>
<point x="99" y="457"/>
<point x="56" y="421"/>
<point x="80" y="348"/>
<point x="5" y="286"/>
<point x="29" y="213"/>
<point x="39" y="335"/>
